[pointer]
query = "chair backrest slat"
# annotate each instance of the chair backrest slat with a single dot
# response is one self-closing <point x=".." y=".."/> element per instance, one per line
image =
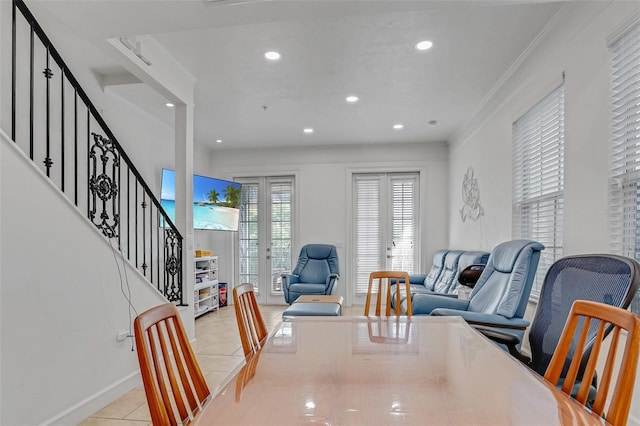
<point x="169" y="363"/>
<point x="170" y="372"/>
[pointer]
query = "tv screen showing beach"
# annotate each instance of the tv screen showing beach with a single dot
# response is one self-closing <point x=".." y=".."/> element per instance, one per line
<point x="216" y="202"/>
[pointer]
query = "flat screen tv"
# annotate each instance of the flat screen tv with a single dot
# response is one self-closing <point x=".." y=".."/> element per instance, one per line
<point x="216" y="202"/>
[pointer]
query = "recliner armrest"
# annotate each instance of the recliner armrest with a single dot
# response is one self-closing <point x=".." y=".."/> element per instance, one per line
<point x="417" y="279"/>
<point x="423" y="304"/>
<point x="290" y="278"/>
<point x="331" y="277"/>
<point x="479" y="318"/>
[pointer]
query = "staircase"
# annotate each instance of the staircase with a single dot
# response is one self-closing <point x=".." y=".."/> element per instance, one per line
<point x="55" y="123"/>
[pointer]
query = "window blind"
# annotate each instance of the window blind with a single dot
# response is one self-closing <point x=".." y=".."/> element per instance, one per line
<point x="281" y="225"/>
<point x="403" y="223"/>
<point x="538" y="179"/>
<point x="624" y="187"/>
<point x="248" y="234"/>
<point x="368" y="228"/>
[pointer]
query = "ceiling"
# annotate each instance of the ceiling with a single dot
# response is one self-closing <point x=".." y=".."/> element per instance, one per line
<point x="330" y="49"/>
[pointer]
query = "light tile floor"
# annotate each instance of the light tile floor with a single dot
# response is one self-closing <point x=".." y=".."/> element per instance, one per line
<point x="219" y="352"/>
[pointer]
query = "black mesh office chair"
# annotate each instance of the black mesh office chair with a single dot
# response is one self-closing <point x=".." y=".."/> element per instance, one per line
<point x="600" y="278"/>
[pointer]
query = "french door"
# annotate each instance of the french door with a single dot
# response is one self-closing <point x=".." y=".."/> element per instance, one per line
<point x="265" y="235"/>
<point x="385" y="226"/>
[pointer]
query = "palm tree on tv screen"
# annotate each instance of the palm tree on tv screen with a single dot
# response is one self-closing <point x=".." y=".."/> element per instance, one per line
<point x="232" y="195"/>
<point x="213" y="196"/>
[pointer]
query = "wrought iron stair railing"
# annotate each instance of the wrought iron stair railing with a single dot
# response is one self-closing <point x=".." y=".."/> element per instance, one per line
<point x="55" y="123"/>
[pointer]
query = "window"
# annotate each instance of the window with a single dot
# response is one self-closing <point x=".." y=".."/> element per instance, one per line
<point x="624" y="187"/>
<point x="385" y="224"/>
<point x="538" y="176"/>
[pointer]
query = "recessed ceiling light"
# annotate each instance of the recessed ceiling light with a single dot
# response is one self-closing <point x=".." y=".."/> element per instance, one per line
<point x="272" y="55"/>
<point x="308" y="130"/>
<point x="351" y="99"/>
<point x="398" y="126"/>
<point x="424" y="45"/>
<point x="169" y="105"/>
<point x="218" y="140"/>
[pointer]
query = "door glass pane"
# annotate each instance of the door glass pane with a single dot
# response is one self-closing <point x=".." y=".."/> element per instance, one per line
<point x="403" y="223"/>
<point x="367" y="227"/>
<point x="281" y="202"/>
<point x="248" y="235"/>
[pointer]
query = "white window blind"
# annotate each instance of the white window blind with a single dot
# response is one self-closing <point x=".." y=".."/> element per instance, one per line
<point x="403" y="222"/>
<point x="624" y="188"/>
<point x="385" y="224"/>
<point x="248" y="234"/>
<point x="538" y="179"/>
<point x="281" y="225"/>
<point x="368" y="228"/>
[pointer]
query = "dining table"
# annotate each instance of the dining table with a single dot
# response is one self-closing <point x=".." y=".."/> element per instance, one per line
<point x="387" y="371"/>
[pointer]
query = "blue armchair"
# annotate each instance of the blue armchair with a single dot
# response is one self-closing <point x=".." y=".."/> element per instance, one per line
<point x="316" y="272"/>
<point x="500" y="296"/>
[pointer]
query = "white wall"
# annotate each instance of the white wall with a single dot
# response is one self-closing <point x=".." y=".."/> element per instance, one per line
<point x="577" y="45"/>
<point x="61" y="304"/>
<point x="323" y="193"/>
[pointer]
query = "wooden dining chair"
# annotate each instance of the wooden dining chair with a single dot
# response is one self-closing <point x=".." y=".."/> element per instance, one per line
<point x="382" y="287"/>
<point x="253" y="332"/>
<point x="583" y="316"/>
<point x="170" y="373"/>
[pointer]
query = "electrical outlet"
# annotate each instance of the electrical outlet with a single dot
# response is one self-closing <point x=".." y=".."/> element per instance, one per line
<point x="122" y="335"/>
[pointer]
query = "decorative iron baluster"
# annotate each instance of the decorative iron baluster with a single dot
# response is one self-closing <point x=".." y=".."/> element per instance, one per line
<point x="48" y="74"/>
<point x="31" y="90"/>
<point x="173" y="266"/>
<point x="62" y="129"/>
<point x="144" y="235"/>
<point x="103" y="186"/>
<point x="13" y="73"/>
<point x="75" y="147"/>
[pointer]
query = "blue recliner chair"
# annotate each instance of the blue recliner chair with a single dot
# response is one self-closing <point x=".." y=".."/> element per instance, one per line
<point x="316" y="272"/>
<point x="500" y="296"/>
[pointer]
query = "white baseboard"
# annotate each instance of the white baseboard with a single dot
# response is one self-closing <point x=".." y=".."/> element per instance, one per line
<point x="95" y="402"/>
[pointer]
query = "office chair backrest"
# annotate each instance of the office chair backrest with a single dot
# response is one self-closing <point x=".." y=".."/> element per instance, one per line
<point x="584" y="316"/>
<point x="436" y="269"/>
<point x="602" y="278"/>
<point x="505" y="284"/>
<point x="169" y="369"/>
<point x="253" y="332"/>
<point x="316" y="262"/>
<point x="380" y="286"/>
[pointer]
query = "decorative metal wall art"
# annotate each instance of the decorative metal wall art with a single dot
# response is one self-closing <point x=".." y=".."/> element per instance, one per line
<point x="470" y="197"/>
